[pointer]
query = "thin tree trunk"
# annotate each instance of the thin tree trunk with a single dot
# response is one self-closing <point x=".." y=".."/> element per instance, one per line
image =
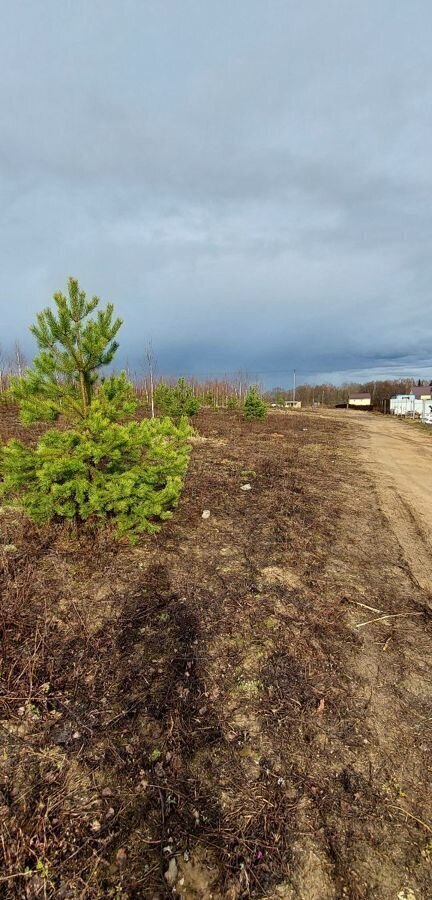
<point x="83" y="393"/>
<point x="149" y="355"/>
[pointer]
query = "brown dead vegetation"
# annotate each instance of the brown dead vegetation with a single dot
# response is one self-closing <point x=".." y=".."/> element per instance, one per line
<point x="199" y="716"/>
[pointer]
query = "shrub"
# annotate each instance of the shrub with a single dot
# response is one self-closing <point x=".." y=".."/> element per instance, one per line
<point x="233" y="402"/>
<point x="254" y="406"/>
<point x="176" y="401"/>
<point x="103" y="466"/>
<point x="131" y="473"/>
<point x="208" y="399"/>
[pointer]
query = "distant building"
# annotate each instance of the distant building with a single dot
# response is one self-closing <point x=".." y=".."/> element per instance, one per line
<point x="292" y="404"/>
<point x="422" y="393"/>
<point x="416" y="403"/>
<point x="359" y="401"/>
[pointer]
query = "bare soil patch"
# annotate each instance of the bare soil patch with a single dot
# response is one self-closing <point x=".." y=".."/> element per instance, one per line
<point x="208" y="714"/>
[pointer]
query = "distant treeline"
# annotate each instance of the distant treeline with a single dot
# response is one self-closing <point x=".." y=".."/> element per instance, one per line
<point x="231" y="390"/>
<point x="331" y="394"/>
<point x="227" y="391"/>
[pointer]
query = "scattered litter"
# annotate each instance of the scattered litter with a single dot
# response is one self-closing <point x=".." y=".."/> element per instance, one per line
<point x="171" y="872"/>
<point x="206" y="514"/>
<point x="246" y="487"/>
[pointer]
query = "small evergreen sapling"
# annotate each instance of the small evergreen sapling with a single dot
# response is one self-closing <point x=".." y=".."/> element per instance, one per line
<point x="73" y="348"/>
<point x="176" y="401"/>
<point x="103" y="465"/>
<point x="254" y="406"/>
<point x="233" y="402"/>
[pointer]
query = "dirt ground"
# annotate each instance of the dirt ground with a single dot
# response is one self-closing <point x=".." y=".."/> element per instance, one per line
<point x="400" y="458"/>
<point x="240" y="705"/>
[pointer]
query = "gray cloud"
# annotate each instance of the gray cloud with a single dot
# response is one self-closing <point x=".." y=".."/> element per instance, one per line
<point x="250" y="183"/>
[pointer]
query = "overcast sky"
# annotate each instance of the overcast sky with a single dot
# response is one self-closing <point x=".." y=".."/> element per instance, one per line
<point x="249" y="181"/>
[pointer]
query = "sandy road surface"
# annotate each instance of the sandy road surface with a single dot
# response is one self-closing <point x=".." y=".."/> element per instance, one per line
<point x="400" y="459"/>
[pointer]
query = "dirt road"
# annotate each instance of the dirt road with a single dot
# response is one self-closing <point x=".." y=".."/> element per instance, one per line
<point x="400" y="458"/>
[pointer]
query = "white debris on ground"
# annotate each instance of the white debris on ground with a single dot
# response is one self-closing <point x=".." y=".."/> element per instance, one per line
<point x="171" y="872"/>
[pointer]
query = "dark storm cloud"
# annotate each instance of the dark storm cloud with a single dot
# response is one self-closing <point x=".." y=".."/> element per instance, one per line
<point x="250" y="182"/>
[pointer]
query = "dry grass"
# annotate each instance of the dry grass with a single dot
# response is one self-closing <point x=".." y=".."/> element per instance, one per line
<point x="195" y="697"/>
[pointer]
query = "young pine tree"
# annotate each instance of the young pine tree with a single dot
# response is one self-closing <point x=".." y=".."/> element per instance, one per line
<point x="254" y="406"/>
<point x="176" y="401"/>
<point x="102" y="465"/>
<point x="233" y="402"/>
<point x="72" y="350"/>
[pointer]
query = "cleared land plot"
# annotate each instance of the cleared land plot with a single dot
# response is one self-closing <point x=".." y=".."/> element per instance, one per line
<point x="237" y="707"/>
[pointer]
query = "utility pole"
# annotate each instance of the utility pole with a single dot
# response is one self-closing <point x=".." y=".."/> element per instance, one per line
<point x="294" y="384"/>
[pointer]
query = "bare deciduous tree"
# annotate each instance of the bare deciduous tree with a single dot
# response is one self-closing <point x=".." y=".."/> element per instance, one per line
<point x="20" y="361"/>
<point x="150" y="366"/>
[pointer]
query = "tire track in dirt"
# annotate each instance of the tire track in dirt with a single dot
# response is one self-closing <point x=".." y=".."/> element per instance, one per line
<point x="409" y="532"/>
<point x="400" y="462"/>
<point x="386" y="584"/>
